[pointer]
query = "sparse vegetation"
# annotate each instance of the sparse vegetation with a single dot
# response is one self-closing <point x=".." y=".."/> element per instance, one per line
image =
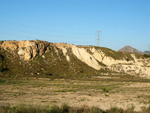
<point x="1" y="68"/>
<point x="63" y="109"/>
<point x="105" y="90"/>
<point x="146" y="55"/>
<point x="81" y="90"/>
<point x="54" y="63"/>
<point x="115" y="54"/>
<point x="51" y="80"/>
<point x="1" y="42"/>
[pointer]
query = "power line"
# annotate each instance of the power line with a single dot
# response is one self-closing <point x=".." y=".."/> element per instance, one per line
<point x="16" y="35"/>
<point x="44" y="29"/>
<point x="29" y="33"/>
<point x="44" y="34"/>
<point x="56" y="40"/>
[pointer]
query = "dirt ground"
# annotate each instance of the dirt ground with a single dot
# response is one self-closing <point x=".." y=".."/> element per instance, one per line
<point x="103" y="92"/>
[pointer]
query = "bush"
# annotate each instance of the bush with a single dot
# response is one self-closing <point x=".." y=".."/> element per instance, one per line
<point x="1" y="68"/>
<point x="63" y="109"/>
<point x="116" y="110"/>
<point x="54" y="109"/>
<point x="105" y="90"/>
<point x="146" y="55"/>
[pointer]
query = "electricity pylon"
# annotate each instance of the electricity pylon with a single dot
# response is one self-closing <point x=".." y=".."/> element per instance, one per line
<point x="98" y="39"/>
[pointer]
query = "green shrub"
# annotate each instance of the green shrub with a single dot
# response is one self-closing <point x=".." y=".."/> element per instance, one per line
<point x="145" y="55"/>
<point x="1" y="68"/>
<point x="116" y="110"/>
<point x="65" y="108"/>
<point x="105" y="90"/>
<point x="54" y="109"/>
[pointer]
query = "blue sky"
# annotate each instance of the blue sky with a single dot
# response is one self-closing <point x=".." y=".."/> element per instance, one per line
<point x="122" y="22"/>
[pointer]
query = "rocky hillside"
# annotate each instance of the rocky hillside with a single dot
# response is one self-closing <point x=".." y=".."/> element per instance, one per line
<point x="39" y="58"/>
<point x="130" y="50"/>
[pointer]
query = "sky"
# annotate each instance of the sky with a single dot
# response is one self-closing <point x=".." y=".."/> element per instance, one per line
<point x="121" y="22"/>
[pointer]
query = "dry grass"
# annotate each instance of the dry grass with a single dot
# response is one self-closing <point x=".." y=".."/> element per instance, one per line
<point x="63" y="109"/>
<point x="101" y="92"/>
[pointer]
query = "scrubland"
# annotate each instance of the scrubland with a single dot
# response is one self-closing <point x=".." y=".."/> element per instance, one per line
<point x="103" y="93"/>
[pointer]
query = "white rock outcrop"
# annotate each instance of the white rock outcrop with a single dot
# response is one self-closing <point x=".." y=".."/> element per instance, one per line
<point x="26" y="49"/>
<point x="93" y="57"/>
<point x="85" y="57"/>
<point x="9" y="45"/>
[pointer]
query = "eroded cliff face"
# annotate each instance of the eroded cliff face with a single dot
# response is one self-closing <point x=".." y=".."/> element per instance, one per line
<point x="26" y="49"/>
<point x="95" y="57"/>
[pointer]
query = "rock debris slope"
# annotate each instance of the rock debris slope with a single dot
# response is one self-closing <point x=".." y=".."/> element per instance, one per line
<point x="41" y="57"/>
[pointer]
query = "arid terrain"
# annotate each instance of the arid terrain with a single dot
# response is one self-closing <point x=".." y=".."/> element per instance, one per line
<point x="47" y="74"/>
<point x="105" y="92"/>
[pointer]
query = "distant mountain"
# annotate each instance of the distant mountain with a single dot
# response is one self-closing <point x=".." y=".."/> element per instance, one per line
<point x="147" y="52"/>
<point x="130" y="50"/>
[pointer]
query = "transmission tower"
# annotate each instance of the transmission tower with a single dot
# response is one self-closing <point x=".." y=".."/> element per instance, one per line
<point x="98" y="39"/>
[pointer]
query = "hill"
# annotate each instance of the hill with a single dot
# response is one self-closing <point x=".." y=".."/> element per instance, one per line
<point x="147" y="52"/>
<point x="41" y="58"/>
<point x="130" y="50"/>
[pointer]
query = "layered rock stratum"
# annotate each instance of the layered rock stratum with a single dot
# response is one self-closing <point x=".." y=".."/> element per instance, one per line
<point x="41" y="57"/>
